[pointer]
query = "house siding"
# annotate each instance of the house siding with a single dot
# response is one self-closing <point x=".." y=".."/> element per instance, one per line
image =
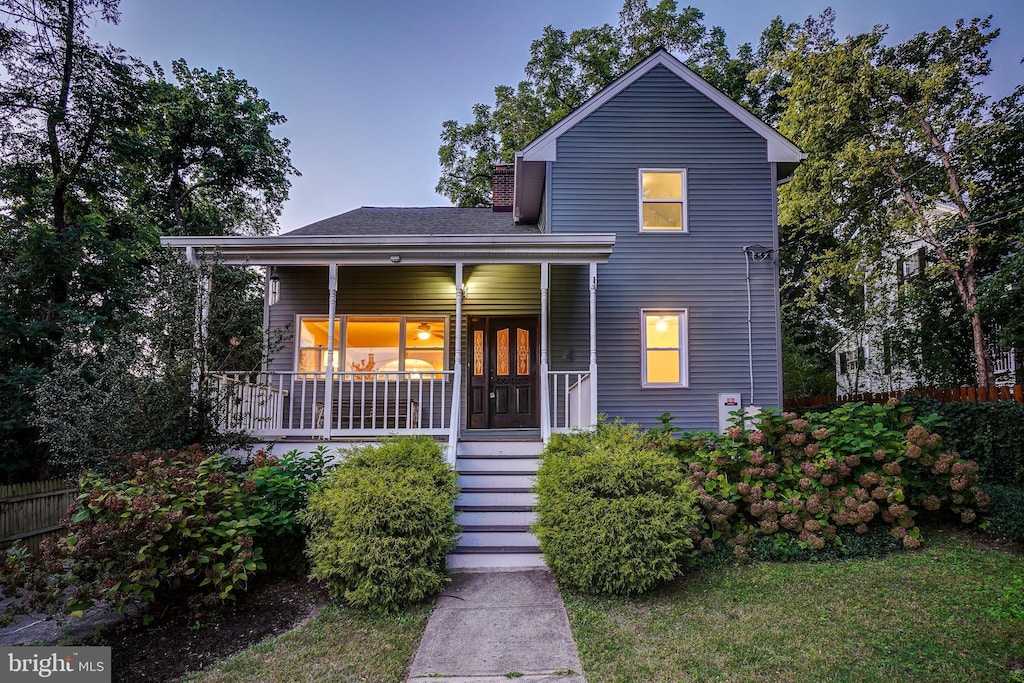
<point x="661" y="121"/>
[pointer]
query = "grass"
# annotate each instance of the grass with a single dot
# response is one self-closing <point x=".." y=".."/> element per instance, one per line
<point x="949" y="612"/>
<point x="338" y="644"/>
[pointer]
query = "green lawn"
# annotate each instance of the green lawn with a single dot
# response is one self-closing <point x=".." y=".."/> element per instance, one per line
<point x="946" y="613"/>
<point x="339" y="644"/>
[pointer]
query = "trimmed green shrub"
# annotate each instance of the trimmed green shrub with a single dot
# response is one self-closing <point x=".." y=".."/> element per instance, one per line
<point x="382" y="523"/>
<point x="613" y="510"/>
<point x="811" y="476"/>
<point x="175" y="526"/>
<point x="1006" y="516"/>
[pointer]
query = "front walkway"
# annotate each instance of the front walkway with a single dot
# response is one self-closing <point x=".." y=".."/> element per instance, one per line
<point x="493" y="626"/>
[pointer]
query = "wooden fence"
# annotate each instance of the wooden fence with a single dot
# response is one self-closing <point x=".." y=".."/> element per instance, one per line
<point x="30" y="511"/>
<point x="976" y="394"/>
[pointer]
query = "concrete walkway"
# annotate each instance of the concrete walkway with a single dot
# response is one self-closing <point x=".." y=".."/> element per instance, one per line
<point x="487" y="625"/>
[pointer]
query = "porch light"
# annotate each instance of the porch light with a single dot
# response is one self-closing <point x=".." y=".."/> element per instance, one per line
<point x="424" y="331"/>
<point x="274" y="295"/>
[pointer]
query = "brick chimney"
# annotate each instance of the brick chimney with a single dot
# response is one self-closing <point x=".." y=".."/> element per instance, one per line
<point x="502" y="185"/>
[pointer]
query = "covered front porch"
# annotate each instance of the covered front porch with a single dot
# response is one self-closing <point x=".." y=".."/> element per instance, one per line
<point x="438" y="335"/>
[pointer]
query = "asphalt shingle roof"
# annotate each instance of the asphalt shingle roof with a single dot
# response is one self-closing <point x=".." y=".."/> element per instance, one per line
<point x="430" y="220"/>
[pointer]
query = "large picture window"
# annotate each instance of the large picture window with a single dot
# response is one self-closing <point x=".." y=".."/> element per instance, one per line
<point x="662" y="200"/>
<point x="664" y="348"/>
<point x="373" y="344"/>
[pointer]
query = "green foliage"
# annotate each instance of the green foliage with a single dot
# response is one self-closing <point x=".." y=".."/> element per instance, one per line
<point x="382" y="523"/>
<point x="565" y="69"/>
<point x="899" y="138"/>
<point x="990" y="433"/>
<point x="101" y="157"/>
<point x="174" y="526"/>
<point x="808" y="477"/>
<point x="283" y="486"/>
<point x="1006" y="516"/>
<point x="613" y="510"/>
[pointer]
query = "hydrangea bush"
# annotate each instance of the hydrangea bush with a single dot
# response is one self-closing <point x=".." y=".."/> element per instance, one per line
<point x="814" y="475"/>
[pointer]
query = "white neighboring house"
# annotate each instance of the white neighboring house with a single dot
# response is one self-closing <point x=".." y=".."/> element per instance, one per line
<point x="864" y="359"/>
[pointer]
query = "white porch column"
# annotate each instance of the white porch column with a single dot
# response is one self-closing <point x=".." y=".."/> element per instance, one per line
<point x="202" y="318"/>
<point x="332" y="305"/>
<point x="265" y="353"/>
<point x="545" y="397"/>
<point x="593" y="344"/>
<point x="453" y="424"/>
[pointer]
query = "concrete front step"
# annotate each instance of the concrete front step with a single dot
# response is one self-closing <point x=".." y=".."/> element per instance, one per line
<point x="499" y="449"/>
<point x="496" y="517"/>
<point x="494" y="560"/>
<point x="495" y="504"/>
<point x="498" y="481"/>
<point x="501" y="463"/>
<point x="491" y="537"/>
<point x="492" y="498"/>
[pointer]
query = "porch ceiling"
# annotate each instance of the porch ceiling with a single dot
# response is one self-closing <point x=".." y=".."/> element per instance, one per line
<point x="409" y="249"/>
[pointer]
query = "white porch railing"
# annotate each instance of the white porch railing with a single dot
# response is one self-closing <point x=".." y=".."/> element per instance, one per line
<point x="1003" y="361"/>
<point x="361" y="403"/>
<point x="570" y="400"/>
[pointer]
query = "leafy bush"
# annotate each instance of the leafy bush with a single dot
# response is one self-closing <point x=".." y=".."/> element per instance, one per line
<point x="1006" y="516"/>
<point x="613" y="510"/>
<point x="850" y="467"/>
<point x="283" y="486"/>
<point x="175" y="525"/>
<point x="382" y="523"/>
<point x="990" y="433"/>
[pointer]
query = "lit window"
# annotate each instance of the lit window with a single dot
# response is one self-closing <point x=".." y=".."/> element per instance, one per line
<point x="312" y="356"/>
<point x="664" y="348"/>
<point x="373" y="343"/>
<point x="663" y="200"/>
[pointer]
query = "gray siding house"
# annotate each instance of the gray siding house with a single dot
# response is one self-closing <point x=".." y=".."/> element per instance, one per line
<point x="627" y="268"/>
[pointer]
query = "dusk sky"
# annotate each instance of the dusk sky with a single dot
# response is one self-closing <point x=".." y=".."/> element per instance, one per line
<point x="365" y="86"/>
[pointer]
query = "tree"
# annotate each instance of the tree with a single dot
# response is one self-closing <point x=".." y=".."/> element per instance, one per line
<point x="892" y="133"/>
<point x="210" y="164"/>
<point x="64" y="102"/>
<point x="100" y="156"/>
<point x="564" y="70"/>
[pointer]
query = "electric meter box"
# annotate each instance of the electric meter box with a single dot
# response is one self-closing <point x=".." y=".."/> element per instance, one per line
<point x="728" y="402"/>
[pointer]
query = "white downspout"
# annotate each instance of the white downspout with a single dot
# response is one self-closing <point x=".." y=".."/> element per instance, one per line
<point x="750" y="324"/>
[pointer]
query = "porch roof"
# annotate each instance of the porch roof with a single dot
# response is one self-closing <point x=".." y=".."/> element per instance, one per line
<point x="391" y="250"/>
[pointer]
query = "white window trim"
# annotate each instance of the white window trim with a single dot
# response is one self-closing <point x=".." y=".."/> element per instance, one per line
<point x="684" y="201"/>
<point x="684" y="347"/>
<point x="342" y="320"/>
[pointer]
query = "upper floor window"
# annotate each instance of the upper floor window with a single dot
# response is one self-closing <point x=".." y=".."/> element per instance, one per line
<point x="662" y="200"/>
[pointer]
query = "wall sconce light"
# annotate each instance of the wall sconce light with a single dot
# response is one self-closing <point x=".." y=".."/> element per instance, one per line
<point x="465" y="291"/>
<point x="395" y="258"/>
<point x="274" y="293"/>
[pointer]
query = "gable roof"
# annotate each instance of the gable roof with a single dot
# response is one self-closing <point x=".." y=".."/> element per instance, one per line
<point x="531" y="160"/>
<point x="780" y="148"/>
<point x="421" y="220"/>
